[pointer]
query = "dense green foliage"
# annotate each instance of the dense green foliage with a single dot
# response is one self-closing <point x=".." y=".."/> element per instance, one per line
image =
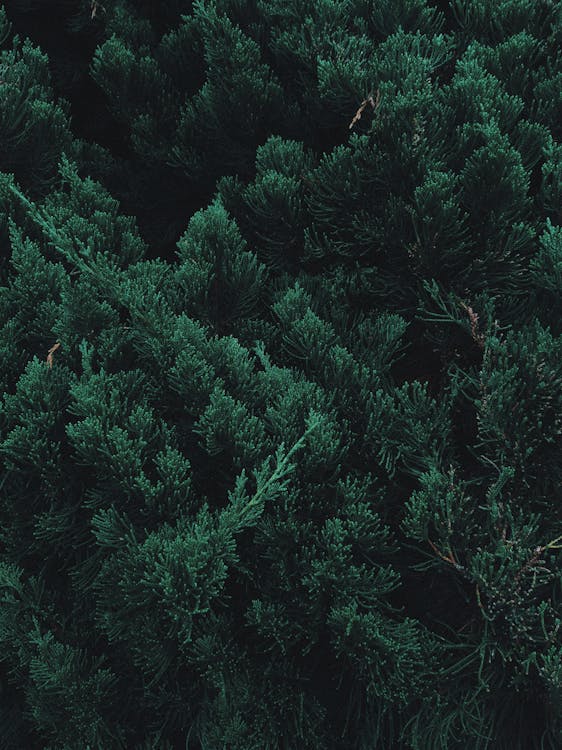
<point x="280" y="375"/>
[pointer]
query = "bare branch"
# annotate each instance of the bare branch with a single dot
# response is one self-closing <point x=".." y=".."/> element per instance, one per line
<point x="369" y="100"/>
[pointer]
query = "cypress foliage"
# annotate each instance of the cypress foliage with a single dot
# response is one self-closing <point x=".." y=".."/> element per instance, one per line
<point x="280" y="375"/>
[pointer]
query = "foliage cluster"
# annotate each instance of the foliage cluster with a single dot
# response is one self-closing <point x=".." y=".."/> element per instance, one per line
<point x="280" y="375"/>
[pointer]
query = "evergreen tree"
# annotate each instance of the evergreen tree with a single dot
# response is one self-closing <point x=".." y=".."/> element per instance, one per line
<point x="291" y="483"/>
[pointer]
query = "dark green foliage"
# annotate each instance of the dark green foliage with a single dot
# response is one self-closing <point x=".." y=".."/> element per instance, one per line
<point x="280" y="375"/>
<point x="35" y="127"/>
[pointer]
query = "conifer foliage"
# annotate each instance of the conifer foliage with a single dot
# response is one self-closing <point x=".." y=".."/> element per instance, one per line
<point x="280" y="375"/>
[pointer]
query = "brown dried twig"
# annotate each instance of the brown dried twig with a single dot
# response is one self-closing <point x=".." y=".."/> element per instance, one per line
<point x="478" y="337"/>
<point x="369" y="100"/>
<point x="95" y="6"/>
<point x="450" y="558"/>
<point x="52" y="350"/>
